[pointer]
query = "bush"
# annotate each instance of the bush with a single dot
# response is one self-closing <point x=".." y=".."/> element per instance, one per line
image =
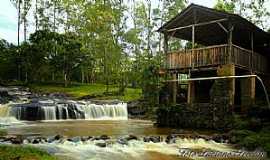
<point x="10" y="152"/>
<point x="3" y="132"/>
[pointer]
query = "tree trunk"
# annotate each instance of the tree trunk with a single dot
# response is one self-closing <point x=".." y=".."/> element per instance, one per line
<point x="53" y="77"/>
<point x="65" y="79"/>
<point x="82" y="74"/>
<point x="149" y="30"/>
<point x="36" y="15"/>
<point x="26" y="76"/>
<point x="18" y="36"/>
<point x="24" y="19"/>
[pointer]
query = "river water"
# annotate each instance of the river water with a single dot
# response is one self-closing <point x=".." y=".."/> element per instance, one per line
<point x="78" y="119"/>
<point x="135" y="149"/>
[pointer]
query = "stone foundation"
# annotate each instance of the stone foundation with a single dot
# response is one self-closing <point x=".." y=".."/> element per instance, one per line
<point x="197" y="116"/>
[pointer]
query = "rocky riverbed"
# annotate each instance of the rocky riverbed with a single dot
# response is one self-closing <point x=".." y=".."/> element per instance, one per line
<point x="156" y="147"/>
<point x="99" y="138"/>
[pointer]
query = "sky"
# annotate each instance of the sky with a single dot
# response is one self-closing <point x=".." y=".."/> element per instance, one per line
<point x="8" y="18"/>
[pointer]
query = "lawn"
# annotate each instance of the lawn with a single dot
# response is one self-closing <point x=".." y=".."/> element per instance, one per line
<point x="80" y="90"/>
<point x="12" y="152"/>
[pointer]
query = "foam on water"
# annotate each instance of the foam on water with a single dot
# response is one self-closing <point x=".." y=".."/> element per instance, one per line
<point x="134" y="150"/>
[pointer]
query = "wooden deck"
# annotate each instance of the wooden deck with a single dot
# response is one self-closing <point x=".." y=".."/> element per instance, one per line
<point x="216" y="55"/>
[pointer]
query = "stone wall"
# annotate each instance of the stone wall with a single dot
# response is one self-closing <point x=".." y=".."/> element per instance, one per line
<point x="220" y="98"/>
<point x="185" y="116"/>
<point x="214" y="115"/>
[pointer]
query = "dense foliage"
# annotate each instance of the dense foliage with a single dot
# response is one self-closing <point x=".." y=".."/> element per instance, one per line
<point x="98" y="41"/>
<point x="9" y="152"/>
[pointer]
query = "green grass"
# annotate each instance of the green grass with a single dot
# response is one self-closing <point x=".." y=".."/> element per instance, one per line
<point x="10" y="152"/>
<point x="3" y="132"/>
<point x="80" y="90"/>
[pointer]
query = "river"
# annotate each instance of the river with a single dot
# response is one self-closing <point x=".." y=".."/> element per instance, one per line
<point x="81" y="124"/>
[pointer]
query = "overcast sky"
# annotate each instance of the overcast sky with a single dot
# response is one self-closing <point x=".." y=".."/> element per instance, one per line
<point x="8" y="18"/>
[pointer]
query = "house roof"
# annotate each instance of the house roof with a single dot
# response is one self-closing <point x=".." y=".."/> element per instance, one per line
<point x="212" y="34"/>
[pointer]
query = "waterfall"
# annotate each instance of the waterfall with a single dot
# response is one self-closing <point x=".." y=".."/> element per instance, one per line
<point x="5" y="118"/>
<point x="49" y="112"/>
<point x="93" y="111"/>
<point x="54" y="110"/>
<point x="4" y="110"/>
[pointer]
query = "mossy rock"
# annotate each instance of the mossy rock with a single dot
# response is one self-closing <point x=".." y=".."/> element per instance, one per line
<point x="3" y="132"/>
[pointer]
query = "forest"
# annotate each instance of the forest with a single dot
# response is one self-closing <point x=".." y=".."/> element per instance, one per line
<point x="86" y="80"/>
<point x="112" y="42"/>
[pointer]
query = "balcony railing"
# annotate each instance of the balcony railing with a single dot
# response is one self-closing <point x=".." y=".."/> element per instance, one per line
<point x="214" y="56"/>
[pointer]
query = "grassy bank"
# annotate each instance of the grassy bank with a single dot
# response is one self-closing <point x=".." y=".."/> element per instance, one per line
<point x="10" y="152"/>
<point x="91" y="90"/>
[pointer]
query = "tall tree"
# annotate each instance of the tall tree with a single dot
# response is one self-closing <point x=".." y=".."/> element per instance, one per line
<point x="17" y="4"/>
<point x="26" y="8"/>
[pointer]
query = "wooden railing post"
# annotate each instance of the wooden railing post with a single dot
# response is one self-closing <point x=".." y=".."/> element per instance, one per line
<point x="193" y="45"/>
<point x="252" y="50"/>
<point x="230" y="36"/>
<point x="165" y="45"/>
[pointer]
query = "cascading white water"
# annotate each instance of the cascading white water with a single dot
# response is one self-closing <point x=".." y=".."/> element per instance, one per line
<point x="5" y="118"/>
<point x="55" y="110"/>
<point x="93" y="111"/>
<point x="49" y="112"/>
<point x="142" y="150"/>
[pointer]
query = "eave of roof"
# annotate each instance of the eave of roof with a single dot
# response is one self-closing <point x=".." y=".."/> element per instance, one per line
<point x="234" y="18"/>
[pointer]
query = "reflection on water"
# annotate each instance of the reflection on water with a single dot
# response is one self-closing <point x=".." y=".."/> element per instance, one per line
<point x="89" y="128"/>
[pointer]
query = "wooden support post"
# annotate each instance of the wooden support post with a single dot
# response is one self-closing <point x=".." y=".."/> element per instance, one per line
<point x="252" y="50"/>
<point x="174" y="89"/>
<point x="165" y="45"/>
<point x="230" y="34"/>
<point x="248" y="86"/>
<point x="193" y="36"/>
<point x="191" y="92"/>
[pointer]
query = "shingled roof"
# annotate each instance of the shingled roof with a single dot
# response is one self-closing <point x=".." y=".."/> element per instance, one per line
<point x="213" y="33"/>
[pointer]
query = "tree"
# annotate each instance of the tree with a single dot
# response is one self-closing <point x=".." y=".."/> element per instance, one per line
<point x="8" y="58"/>
<point x="26" y="8"/>
<point x="226" y="6"/>
<point x="254" y="10"/>
<point x="17" y="4"/>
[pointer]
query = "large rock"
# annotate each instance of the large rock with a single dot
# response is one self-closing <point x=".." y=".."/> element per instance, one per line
<point x="101" y="144"/>
<point x="154" y="139"/>
<point x="104" y="137"/>
<point x="131" y="137"/>
<point x="75" y="139"/>
<point x="170" y="139"/>
<point x="86" y="138"/>
<point x="4" y="96"/>
<point x="122" y="141"/>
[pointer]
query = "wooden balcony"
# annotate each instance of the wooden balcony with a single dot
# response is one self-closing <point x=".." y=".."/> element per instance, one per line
<point x="213" y="56"/>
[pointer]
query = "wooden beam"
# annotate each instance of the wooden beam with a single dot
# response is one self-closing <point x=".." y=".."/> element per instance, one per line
<point x="230" y="34"/>
<point x="193" y="37"/>
<point x="165" y="43"/>
<point x="174" y="89"/>
<point x="198" y="24"/>
<point x="191" y="92"/>
<point x="252" y="51"/>
<point x="222" y="27"/>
